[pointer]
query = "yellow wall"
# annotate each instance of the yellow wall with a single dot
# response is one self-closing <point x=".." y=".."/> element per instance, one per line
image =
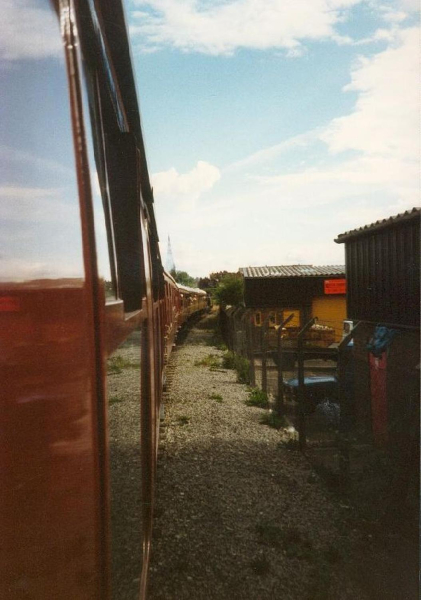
<point x="330" y="310"/>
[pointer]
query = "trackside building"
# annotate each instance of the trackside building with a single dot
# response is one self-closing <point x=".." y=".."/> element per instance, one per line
<point x="383" y="296"/>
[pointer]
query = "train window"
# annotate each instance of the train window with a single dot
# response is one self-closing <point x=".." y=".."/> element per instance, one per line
<point x="40" y="235"/>
<point x="272" y="319"/>
<point x="116" y="160"/>
<point x="258" y="318"/>
<point x="104" y="238"/>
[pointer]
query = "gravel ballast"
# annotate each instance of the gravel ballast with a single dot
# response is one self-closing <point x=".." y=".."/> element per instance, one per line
<point x="237" y="513"/>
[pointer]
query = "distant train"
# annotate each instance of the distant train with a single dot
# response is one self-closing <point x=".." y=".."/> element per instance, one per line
<point x="81" y="272"/>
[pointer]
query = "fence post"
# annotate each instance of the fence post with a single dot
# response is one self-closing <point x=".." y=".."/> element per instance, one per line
<point x="301" y="389"/>
<point x="264" y="348"/>
<point x="250" y="349"/>
<point x="280" y="396"/>
<point x="346" y="409"/>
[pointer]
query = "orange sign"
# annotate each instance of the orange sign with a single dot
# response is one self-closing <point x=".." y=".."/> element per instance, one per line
<point x="335" y="286"/>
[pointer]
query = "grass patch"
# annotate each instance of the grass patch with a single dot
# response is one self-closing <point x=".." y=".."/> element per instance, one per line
<point x="116" y="364"/>
<point x="114" y="400"/>
<point x="183" y="420"/>
<point x="211" y="361"/>
<point x="272" y="419"/>
<point x="216" y="397"/>
<point x="258" y="398"/>
<point x="230" y="360"/>
<point x="260" y="565"/>
<point x="291" y="444"/>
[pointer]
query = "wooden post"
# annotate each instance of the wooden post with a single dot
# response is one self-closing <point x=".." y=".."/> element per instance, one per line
<point x="301" y="389"/>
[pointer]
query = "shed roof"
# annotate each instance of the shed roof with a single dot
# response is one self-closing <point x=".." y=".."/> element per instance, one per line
<point x="293" y="271"/>
<point x="380" y="224"/>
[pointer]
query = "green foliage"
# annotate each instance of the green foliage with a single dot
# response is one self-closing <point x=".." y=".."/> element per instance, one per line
<point x="230" y="360"/>
<point x="258" y="398"/>
<point x="290" y="444"/>
<point x="183" y="278"/>
<point x="114" y="400"/>
<point x="184" y="420"/>
<point x="116" y="364"/>
<point x="216" y="397"/>
<point x="272" y="419"/>
<point x="242" y="366"/>
<point x="211" y="361"/>
<point x="230" y="291"/>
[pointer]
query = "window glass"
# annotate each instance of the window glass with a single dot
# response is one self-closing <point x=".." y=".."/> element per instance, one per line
<point x="99" y="185"/>
<point x="40" y="237"/>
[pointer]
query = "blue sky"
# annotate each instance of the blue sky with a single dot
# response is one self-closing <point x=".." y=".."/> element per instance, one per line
<point x="270" y="126"/>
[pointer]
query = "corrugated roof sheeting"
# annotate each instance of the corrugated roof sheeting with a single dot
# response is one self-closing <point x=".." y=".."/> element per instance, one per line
<point x="293" y="271"/>
<point x="408" y="214"/>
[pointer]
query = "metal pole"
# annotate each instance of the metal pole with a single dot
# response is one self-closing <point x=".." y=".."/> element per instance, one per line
<point x="301" y="390"/>
<point x="248" y="318"/>
<point x="280" y="396"/>
<point x="346" y="409"/>
<point x="264" y="366"/>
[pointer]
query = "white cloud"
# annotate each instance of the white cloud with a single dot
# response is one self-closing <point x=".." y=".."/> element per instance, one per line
<point x="224" y="27"/>
<point x="385" y="121"/>
<point x="184" y="189"/>
<point x="36" y="205"/>
<point x="27" y="31"/>
<point x="8" y="153"/>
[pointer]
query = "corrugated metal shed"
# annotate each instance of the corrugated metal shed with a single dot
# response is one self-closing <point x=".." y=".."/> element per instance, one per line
<point x="383" y="270"/>
<point x="293" y="271"/>
<point x="382" y="223"/>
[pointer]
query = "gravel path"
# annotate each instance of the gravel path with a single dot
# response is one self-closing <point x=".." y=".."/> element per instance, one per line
<point x="237" y="514"/>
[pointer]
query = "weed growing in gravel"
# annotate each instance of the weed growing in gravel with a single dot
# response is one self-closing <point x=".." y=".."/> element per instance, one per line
<point x="290" y="444"/>
<point x="242" y="366"/>
<point x="114" y="400"/>
<point x="257" y="398"/>
<point x="216" y="397"/>
<point x="230" y="360"/>
<point x="272" y="419"/>
<point x="184" y="420"/>
<point x="116" y="364"/>
<point x="211" y="361"/>
<point x="260" y="565"/>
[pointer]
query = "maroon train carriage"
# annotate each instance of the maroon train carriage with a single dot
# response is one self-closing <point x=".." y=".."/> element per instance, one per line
<point x="80" y="273"/>
<point x="193" y="300"/>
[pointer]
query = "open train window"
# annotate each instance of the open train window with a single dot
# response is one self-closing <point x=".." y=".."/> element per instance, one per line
<point x="116" y="161"/>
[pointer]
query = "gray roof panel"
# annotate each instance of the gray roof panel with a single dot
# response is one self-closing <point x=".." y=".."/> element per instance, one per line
<point x="293" y="271"/>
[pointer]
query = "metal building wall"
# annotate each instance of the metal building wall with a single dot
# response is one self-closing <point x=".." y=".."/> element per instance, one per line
<point x="383" y="274"/>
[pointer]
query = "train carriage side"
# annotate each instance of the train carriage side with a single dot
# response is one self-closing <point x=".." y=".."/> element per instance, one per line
<point x="88" y="275"/>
